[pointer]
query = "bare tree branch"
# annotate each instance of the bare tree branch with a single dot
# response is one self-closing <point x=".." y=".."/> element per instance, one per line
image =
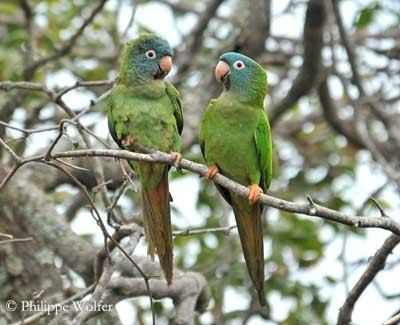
<point x="308" y="208"/>
<point x="343" y="127"/>
<point x="15" y="240"/>
<point x="377" y="264"/>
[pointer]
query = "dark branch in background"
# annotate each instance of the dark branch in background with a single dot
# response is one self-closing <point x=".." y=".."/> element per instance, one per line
<point x="68" y="45"/>
<point x="388" y="166"/>
<point x="258" y="23"/>
<point x="348" y="48"/>
<point x="29" y="24"/>
<point x="343" y="127"/>
<point x="197" y="36"/>
<point x="377" y="264"/>
<point x="377" y="110"/>
<point x="357" y="80"/>
<point x="310" y="71"/>
<point x="75" y="251"/>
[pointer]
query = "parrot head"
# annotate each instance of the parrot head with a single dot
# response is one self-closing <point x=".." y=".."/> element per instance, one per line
<point x="242" y="76"/>
<point x="145" y="58"/>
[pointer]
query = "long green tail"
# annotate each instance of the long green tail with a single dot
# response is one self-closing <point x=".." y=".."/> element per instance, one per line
<point x="251" y="236"/>
<point x="157" y="218"/>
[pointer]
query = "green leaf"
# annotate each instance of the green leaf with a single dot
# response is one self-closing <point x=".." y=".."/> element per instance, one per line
<point x="366" y="16"/>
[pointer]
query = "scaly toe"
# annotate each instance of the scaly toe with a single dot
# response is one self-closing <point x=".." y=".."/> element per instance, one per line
<point x="211" y="172"/>
<point x="255" y="193"/>
<point x="177" y="158"/>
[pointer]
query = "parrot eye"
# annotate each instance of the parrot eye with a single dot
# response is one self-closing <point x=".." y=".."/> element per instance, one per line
<point x="239" y="65"/>
<point x="151" y="54"/>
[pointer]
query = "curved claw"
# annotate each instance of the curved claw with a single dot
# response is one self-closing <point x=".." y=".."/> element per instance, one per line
<point x="177" y="158"/>
<point x="255" y="192"/>
<point x="211" y="172"/>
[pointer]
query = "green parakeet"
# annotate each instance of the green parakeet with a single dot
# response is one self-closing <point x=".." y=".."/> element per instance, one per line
<point x="235" y="139"/>
<point x="146" y="111"/>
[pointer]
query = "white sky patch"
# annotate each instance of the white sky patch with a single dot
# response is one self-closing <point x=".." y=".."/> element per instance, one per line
<point x="235" y="298"/>
<point x="84" y="224"/>
<point x="78" y="99"/>
<point x="60" y="78"/>
<point x="211" y="241"/>
<point x="285" y="25"/>
<point x="158" y="18"/>
<point x="101" y="127"/>
<point x="192" y="249"/>
<point x="185" y="192"/>
<point x="280" y="306"/>
<point x="126" y="312"/>
<point x="186" y="23"/>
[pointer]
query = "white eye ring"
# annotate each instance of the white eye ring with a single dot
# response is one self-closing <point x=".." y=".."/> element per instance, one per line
<point x="239" y="65"/>
<point x="151" y="54"/>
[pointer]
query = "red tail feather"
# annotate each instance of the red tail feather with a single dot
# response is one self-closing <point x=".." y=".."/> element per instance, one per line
<point x="157" y="217"/>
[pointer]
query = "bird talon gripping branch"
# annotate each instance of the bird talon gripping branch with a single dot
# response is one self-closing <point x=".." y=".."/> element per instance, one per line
<point x="211" y="172"/>
<point x="255" y="192"/>
<point x="177" y="158"/>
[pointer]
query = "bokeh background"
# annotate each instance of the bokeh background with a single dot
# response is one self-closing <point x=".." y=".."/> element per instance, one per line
<point x="333" y="101"/>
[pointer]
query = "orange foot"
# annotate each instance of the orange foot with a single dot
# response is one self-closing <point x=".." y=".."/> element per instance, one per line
<point x="177" y="158"/>
<point x="128" y="141"/>
<point x="211" y="172"/>
<point x="255" y="192"/>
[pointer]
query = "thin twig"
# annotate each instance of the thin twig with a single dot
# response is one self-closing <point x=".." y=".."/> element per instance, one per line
<point x="14" y="240"/>
<point x="68" y="45"/>
<point x="10" y="151"/>
<point x="189" y="232"/>
<point x="6" y="235"/>
<point x="394" y="320"/>
<point x="110" y="215"/>
<point x="87" y="84"/>
<point x="29" y="131"/>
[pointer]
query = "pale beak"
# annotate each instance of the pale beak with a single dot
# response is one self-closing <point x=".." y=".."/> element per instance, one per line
<point x="221" y="70"/>
<point x="166" y="64"/>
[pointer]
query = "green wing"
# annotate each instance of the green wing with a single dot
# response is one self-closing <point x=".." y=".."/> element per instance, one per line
<point x="222" y="190"/>
<point x="176" y="101"/>
<point x="263" y="142"/>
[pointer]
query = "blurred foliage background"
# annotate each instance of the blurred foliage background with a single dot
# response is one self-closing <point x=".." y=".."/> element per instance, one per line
<point x="333" y="69"/>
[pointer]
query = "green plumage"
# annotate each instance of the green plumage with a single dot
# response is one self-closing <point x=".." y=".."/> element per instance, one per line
<point x="235" y="136"/>
<point x="147" y="111"/>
